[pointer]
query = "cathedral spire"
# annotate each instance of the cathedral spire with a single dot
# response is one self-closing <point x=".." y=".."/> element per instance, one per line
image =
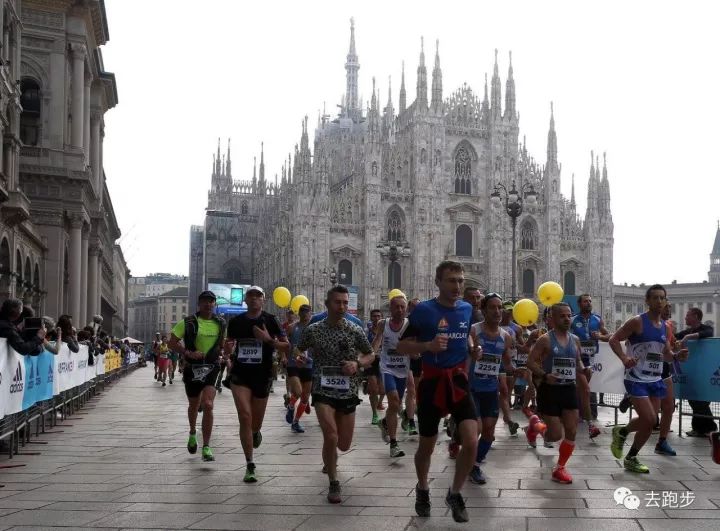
<point x="228" y="171"/>
<point x="495" y="95"/>
<point x="403" y="95"/>
<point x="436" y="101"/>
<point x="262" y="162"/>
<point x="421" y="96"/>
<point x="572" y="192"/>
<point x="510" y="93"/>
<point x="351" y="67"/>
<point x="218" y="170"/>
<point x="289" y="168"/>
<point x="552" y="140"/>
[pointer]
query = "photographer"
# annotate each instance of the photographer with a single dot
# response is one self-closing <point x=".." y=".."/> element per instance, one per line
<point x="11" y="327"/>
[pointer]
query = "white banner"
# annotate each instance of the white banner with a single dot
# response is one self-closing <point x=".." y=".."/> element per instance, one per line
<point x="71" y="368"/>
<point x="100" y="364"/>
<point x="132" y="357"/>
<point x="12" y="380"/>
<point x="608" y="372"/>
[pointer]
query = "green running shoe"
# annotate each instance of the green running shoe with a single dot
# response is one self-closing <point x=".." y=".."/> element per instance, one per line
<point x="250" y="473"/>
<point x="207" y="454"/>
<point x="375" y="420"/>
<point x="618" y="441"/>
<point x="192" y="443"/>
<point x="633" y="465"/>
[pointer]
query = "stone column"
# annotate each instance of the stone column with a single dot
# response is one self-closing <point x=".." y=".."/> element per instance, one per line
<point x="75" y="265"/>
<point x="95" y="148"/>
<point x="98" y="299"/>
<point x="81" y="320"/>
<point x="86" y="121"/>
<point x="92" y="291"/>
<point x="78" y="93"/>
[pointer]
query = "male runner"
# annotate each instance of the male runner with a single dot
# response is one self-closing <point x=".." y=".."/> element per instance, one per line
<point x="667" y="404"/>
<point x="438" y="330"/>
<point x="555" y="361"/>
<point x="474" y="298"/>
<point x="374" y="380"/>
<point x="648" y="347"/>
<point x="394" y="369"/>
<point x="334" y="342"/>
<point x="490" y="349"/>
<point x="202" y="335"/>
<point x="590" y="329"/>
<point x="255" y="334"/>
<point x="153" y="349"/>
<point x="162" y="354"/>
<point x="506" y="382"/>
<point x="299" y="372"/>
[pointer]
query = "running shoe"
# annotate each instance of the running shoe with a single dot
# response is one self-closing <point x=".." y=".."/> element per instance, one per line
<point x="296" y="428"/>
<point x="422" y="502"/>
<point x="395" y="451"/>
<point x="163" y="384"/>
<point x="207" y="454"/>
<point x="694" y="433"/>
<point x="384" y="431"/>
<point x="334" y="492"/>
<point x="413" y="429"/>
<point x="513" y="427"/>
<point x="715" y="441"/>
<point x="405" y="422"/>
<point x="375" y="419"/>
<point x="170" y="381"/>
<point x="250" y="473"/>
<point x="632" y="464"/>
<point x="560" y="475"/>
<point x="257" y="439"/>
<point x="192" y="443"/>
<point x="453" y="450"/>
<point x="457" y="506"/>
<point x="593" y="431"/>
<point x="531" y="436"/>
<point x="477" y="476"/>
<point x="663" y="448"/>
<point x="618" y="442"/>
<point x="289" y="414"/>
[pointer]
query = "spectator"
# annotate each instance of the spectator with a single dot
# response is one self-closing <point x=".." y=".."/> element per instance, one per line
<point x="65" y="326"/>
<point x="10" y="313"/>
<point x="702" y="421"/>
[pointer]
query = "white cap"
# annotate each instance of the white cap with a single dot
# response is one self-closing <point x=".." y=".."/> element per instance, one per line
<point x="255" y="288"/>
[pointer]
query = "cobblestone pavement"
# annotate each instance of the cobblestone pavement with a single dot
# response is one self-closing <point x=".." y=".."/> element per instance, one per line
<point x="121" y="463"/>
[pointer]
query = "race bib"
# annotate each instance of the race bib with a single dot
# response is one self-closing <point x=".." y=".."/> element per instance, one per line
<point x="396" y="361"/>
<point x="588" y="348"/>
<point x="200" y="372"/>
<point x="521" y="359"/>
<point x="488" y="366"/>
<point x="332" y="379"/>
<point x="564" y="369"/>
<point x="652" y="364"/>
<point x="249" y="351"/>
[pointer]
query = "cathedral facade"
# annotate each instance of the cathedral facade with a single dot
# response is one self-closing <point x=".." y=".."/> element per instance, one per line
<point x="377" y="197"/>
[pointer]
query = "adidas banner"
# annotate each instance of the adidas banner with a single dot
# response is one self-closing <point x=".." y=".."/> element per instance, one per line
<point x="12" y="380"/>
<point x="698" y="378"/>
<point x="39" y="377"/>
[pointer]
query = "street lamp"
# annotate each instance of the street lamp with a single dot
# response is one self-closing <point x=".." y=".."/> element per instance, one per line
<point x="333" y="277"/>
<point x="513" y="199"/>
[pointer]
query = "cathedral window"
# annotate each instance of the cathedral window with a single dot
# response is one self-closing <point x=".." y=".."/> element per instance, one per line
<point x="374" y="169"/>
<point x="569" y="283"/>
<point x="423" y="156"/>
<point x="244" y="208"/>
<point x="345" y="272"/>
<point x="463" y="241"/>
<point x="30" y="117"/>
<point x="463" y="171"/>
<point x="527" y="236"/>
<point x="394" y="276"/>
<point x="528" y="282"/>
<point x="395" y="231"/>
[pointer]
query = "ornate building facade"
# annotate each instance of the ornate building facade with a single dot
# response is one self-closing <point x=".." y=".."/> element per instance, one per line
<point x="58" y="231"/>
<point x="377" y="197"/>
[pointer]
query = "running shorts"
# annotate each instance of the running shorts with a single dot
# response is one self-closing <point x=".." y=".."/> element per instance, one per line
<point x="393" y="383"/>
<point x="650" y="389"/>
<point x="552" y="400"/>
<point x="429" y="415"/>
<point x="305" y="374"/>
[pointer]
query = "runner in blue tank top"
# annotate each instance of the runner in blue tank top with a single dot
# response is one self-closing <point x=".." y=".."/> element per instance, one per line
<point x="507" y="381"/>
<point x="490" y="351"/>
<point x="589" y="327"/>
<point x="438" y="330"/>
<point x="648" y="347"/>
<point x="555" y="361"/>
<point x="299" y="372"/>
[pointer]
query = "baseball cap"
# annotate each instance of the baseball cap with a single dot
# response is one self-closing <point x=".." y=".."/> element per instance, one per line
<point x="257" y="289"/>
<point x="508" y="305"/>
<point x="207" y="294"/>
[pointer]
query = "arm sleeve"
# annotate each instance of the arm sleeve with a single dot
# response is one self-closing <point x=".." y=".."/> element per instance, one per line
<point x="179" y="329"/>
<point x="31" y="347"/>
<point x="72" y="344"/>
<point x="681" y="334"/>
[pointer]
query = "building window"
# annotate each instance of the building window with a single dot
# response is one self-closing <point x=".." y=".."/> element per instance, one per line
<point x="640" y="308"/>
<point x="628" y="307"/>
<point x="463" y="171"/>
<point x="345" y="272"/>
<point x="569" y="283"/>
<point x="709" y="307"/>
<point x="244" y="208"/>
<point x="463" y="241"/>
<point x="528" y="282"/>
<point x="394" y="276"/>
<point x="395" y="227"/>
<point x="30" y="117"/>
<point x="527" y="236"/>
<point x="618" y="307"/>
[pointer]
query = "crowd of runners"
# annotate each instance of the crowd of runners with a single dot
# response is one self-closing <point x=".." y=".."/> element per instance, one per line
<point x="452" y="362"/>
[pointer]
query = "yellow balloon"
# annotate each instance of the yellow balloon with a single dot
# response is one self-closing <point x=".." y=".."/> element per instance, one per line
<point x="281" y="297"/>
<point x="297" y="301"/>
<point x="550" y="293"/>
<point x="525" y="312"/>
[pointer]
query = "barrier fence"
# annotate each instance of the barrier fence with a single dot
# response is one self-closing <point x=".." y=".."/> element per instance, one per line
<point x="38" y="389"/>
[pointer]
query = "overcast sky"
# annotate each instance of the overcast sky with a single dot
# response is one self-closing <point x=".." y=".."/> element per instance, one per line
<point x="638" y="80"/>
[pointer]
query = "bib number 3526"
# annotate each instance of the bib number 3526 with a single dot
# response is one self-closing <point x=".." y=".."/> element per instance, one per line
<point x="332" y="378"/>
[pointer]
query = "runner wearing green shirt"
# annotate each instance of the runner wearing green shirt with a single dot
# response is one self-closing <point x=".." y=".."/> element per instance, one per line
<point x="203" y="336"/>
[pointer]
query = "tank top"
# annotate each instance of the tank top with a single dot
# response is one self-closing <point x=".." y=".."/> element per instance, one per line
<point x="390" y="361"/>
<point x="583" y="328"/>
<point x="562" y="360"/>
<point x="512" y="330"/>
<point x="484" y="372"/>
<point x="294" y="341"/>
<point x="647" y="349"/>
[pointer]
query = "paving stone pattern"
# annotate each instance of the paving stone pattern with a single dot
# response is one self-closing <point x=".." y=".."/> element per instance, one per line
<point x="121" y="463"/>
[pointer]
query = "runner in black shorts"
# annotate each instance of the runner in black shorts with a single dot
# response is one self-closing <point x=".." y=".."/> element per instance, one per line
<point x="202" y="335"/>
<point x="255" y="335"/>
<point x="299" y="373"/>
<point x="375" y="383"/>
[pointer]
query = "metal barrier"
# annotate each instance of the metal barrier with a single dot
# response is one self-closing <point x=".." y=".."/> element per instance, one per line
<point x="17" y="427"/>
<point x="684" y="410"/>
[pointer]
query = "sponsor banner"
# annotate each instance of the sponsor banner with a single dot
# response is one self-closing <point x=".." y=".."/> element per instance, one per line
<point x="100" y="364"/>
<point x="39" y="376"/>
<point x="608" y="372"/>
<point x="12" y="379"/>
<point x="71" y="368"/>
<point x="698" y="378"/>
<point x="132" y="358"/>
